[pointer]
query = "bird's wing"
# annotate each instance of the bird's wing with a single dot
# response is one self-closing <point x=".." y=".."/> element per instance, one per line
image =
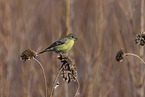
<point x="59" y="42"/>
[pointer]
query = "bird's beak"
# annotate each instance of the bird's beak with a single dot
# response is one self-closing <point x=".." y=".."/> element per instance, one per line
<point x="75" y="38"/>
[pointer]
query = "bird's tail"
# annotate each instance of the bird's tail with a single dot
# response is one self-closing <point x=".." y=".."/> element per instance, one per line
<point x="42" y="52"/>
<point x="46" y="50"/>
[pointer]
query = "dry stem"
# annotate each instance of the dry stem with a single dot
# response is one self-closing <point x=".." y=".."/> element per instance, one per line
<point x="77" y="92"/>
<point x="43" y="75"/>
<point x="52" y="89"/>
<point x="131" y="54"/>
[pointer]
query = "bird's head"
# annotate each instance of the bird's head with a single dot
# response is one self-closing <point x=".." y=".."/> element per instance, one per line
<point x="72" y="36"/>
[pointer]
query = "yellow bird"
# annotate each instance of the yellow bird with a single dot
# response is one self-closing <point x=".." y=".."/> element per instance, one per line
<point x="63" y="45"/>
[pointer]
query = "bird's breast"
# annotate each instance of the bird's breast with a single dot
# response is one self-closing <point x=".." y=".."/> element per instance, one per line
<point x="66" y="46"/>
<point x="70" y="43"/>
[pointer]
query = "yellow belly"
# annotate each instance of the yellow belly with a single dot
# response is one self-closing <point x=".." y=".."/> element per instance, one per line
<point x="65" y="47"/>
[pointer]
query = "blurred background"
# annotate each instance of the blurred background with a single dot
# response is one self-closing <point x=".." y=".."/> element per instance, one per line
<point x="103" y="27"/>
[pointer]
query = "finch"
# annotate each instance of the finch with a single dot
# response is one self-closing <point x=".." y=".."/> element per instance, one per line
<point x="63" y="45"/>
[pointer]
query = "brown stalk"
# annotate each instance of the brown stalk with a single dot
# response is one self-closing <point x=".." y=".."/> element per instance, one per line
<point x="131" y="54"/>
<point x="77" y="92"/>
<point x="52" y="89"/>
<point x="43" y="75"/>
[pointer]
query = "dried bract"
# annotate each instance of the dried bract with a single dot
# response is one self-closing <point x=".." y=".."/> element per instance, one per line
<point x="68" y="68"/>
<point x="140" y="39"/>
<point x="28" y="54"/>
<point x="120" y="55"/>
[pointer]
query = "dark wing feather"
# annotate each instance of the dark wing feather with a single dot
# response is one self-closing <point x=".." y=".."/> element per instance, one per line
<point x="59" y="42"/>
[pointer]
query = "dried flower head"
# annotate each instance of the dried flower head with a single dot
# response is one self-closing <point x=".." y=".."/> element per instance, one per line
<point x="120" y="55"/>
<point x="68" y="68"/>
<point x="140" y="39"/>
<point x="28" y="54"/>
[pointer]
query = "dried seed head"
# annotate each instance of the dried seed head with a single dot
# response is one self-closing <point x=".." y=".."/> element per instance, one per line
<point x="68" y="69"/>
<point x="28" y="54"/>
<point x="140" y="39"/>
<point x="119" y="56"/>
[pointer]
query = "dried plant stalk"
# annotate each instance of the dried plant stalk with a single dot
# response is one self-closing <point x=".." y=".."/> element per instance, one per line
<point x="30" y="54"/>
<point x="77" y="92"/>
<point x="131" y="54"/>
<point x="45" y="81"/>
<point x="52" y="89"/>
<point x="67" y="71"/>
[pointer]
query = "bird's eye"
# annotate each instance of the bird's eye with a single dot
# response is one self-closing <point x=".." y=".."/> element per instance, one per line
<point x="72" y="36"/>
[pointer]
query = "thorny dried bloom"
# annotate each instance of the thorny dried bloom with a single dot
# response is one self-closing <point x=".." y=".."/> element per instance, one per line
<point x="140" y="39"/>
<point x="120" y="55"/>
<point x="28" y="54"/>
<point x="68" y="68"/>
